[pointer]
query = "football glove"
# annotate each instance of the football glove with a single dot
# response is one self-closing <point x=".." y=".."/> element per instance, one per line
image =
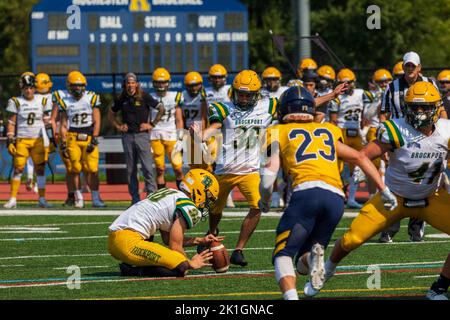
<point x="263" y="206"/>
<point x="11" y="146"/>
<point x="64" y="152"/>
<point x="358" y="175"/>
<point x="91" y="146"/>
<point x="389" y="200"/>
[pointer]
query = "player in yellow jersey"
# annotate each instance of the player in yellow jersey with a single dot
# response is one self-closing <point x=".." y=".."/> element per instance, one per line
<point x="309" y="153"/>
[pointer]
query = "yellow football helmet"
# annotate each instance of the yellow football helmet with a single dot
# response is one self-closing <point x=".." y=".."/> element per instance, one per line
<point x="271" y="72"/>
<point x="245" y="92"/>
<point x="217" y="70"/>
<point x="161" y="78"/>
<point x="306" y="64"/>
<point x="327" y="72"/>
<point x="294" y="83"/>
<point x="422" y="103"/>
<point x="444" y="75"/>
<point x="192" y="80"/>
<point x="381" y="75"/>
<point x="43" y="83"/>
<point x="202" y="187"/>
<point x="76" y="83"/>
<point x="398" y="69"/>
<point x="346" y="75"/>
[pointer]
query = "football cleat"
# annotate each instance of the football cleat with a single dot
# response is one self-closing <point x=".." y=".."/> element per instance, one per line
<point x="70" y="202"/>
<point x="317" y="266"/>
<point x="79" y="203"/>
<point x="43" y="203"/>
<point x="97" y="203"/>
<point x="237" y="257"/>
<point x="309" y="291"/>
<point x="385" y="238"/>
<point x="437" y="294"/>
<point x="12" y="203"/>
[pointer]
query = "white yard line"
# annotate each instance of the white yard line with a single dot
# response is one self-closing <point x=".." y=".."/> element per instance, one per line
<point x="40" y="212"/>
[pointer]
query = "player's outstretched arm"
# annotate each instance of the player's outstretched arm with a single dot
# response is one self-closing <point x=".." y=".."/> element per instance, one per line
<point x="340" y="89"/>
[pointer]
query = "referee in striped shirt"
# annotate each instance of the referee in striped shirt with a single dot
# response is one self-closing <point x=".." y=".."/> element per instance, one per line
<point x="393" y="107"/>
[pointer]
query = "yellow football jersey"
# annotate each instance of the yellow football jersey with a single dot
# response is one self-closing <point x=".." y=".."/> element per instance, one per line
<point x="307" y="151"/>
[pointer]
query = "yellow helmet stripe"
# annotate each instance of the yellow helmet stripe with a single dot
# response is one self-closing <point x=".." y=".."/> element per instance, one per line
<point x="279" y="247"/>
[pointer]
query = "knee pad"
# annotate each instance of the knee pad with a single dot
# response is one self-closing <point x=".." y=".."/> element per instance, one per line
<point x="283" y="267"/>
<point x="350" y="241"/>
<point x="160" y="170"/>
<point x="76" y="167"/>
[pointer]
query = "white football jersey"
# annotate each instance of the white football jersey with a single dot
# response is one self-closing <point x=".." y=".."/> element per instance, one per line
<point x="241" y="131"/>
<point x="350" y="108"/>
<point x="273" y="94"/>
<point x="221" y="95"/>
<point x="30" y="115"/>
<point x="371" y="108"/>
<point x="192" y="107"/>
<point x="166" y="128"/>
<point x="157" y="212"/>
<point x="416" y="161"/>
<point x="79" y="112"/>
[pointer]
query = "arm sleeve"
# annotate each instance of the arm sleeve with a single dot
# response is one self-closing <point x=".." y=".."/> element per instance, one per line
<point x="187" y="209"/>
<point x="217" y="112"/>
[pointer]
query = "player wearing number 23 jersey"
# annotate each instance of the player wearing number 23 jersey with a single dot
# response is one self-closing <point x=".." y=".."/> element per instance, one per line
<point x="309" y="154"/>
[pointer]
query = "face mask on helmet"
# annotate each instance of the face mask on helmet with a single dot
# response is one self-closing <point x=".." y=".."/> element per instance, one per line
<point x="421" y="115"/>
<point x="324" y="83"/>
<point x="161" y="86"/>
<point x="77" y="90"/>
<point x="272" y="84"/>
<point x="245" y="99"/>
<point x="351" y="86"/>
<point x="194" y="89"/>
<point x="217" y="81"/>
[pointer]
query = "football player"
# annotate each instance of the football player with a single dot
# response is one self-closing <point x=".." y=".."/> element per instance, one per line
<point x="25" y="136"/>
<point x="306" y="65"/>
<point x="80" y="127"/>
<point x="346" y="114"/>
<point x="325" y="85"/>
<point x="171" y="212"/>
<point x="237" y="165"/>
<point x="193" y="106"/>
<point x="271" y="77"/>
<point x="219" y="91"/>
<point x="309" y="153"/>
<point x="444" y="86"/>
<point x="370" y="122"/>
<point x="398" y="70"/>
<point x="418" y="147"/>
<point x="163" y="136"/>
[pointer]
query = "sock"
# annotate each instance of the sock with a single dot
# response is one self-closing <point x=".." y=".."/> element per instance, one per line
<point x="161" y="185"/>
<point x="178" y="184"/>
<point x="95" y="195"/>
<point x="41" y="185"/>
<point x="352" y="191"/>
<point x="78" y="195"/>
<point x="290" y="295"/>
<point x="330" y="266"/>
<point x="15" y="184"/>
<point x="71" y="195"/>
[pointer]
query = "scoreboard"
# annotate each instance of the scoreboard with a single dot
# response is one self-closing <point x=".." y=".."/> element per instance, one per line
<point x="119" y="36"/>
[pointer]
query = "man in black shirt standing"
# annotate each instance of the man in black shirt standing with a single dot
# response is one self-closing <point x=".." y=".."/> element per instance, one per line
<point x="136" y="116"/>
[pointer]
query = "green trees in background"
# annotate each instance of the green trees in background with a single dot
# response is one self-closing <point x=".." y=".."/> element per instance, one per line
<point x="419" y="25"/>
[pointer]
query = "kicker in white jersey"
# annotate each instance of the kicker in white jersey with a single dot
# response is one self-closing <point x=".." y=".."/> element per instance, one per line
<point x="349" y="109"/>
<point x="416" y="161"/>
<point x="241" y="130"/>
<point x="192" y="107"/>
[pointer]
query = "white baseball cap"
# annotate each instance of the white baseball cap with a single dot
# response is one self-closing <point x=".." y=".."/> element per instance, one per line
<point x="412" y="57"/>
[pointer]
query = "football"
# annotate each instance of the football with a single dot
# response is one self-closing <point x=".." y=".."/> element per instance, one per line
<point x="220" y="259"/>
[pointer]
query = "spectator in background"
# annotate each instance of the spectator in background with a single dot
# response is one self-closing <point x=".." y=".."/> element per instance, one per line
<point x="135" y="105"/>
